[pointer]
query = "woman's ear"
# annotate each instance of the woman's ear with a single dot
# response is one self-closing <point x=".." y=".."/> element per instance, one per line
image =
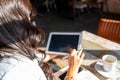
<point x="30" y="15"/>
<point x="29" y="18"/>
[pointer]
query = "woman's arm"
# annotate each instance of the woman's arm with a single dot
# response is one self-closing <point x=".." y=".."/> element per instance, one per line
<point x="75" y="61"/>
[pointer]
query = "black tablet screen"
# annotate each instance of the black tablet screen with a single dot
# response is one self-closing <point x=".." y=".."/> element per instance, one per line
<point x="63" y="43"/>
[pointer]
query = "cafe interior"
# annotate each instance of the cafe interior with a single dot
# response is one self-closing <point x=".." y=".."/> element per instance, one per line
<point x="99" y="23"/>
<point x="75" y="15"/>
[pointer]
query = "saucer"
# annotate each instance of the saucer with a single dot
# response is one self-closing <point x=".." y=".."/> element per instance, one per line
<point x="111" y="74"/>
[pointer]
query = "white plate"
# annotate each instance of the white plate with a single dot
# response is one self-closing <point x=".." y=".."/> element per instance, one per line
<point x="112" y="74"/>
<point x="86" y="75"/>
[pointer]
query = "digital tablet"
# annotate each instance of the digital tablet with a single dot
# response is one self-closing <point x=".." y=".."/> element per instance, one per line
<point x="61" y="42"/>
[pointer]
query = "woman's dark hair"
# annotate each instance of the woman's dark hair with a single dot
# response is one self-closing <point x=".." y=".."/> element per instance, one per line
<point x="17" y="34"/>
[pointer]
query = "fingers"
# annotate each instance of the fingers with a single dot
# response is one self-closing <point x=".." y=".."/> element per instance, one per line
<point x="79" y="53"/>
<point x="82" y="56"/>
<point x="75" y="60"/>
<point x="72" y="52"/>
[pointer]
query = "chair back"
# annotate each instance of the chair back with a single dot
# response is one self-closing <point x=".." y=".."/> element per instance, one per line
<point x="109" y="29"/>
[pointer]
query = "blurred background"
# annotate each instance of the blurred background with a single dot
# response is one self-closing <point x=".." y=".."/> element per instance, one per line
<point x="74" y="15"/>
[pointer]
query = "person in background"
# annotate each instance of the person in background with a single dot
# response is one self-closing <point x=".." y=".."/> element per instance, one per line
<point x="19" y="42"/>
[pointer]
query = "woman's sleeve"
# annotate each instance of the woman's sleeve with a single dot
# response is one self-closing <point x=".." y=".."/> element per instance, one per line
<point x="25" y="71"/>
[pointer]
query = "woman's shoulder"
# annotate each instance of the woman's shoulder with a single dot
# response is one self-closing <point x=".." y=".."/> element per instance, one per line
<point x="18" y="67"/>
<point x="11" y="60"/>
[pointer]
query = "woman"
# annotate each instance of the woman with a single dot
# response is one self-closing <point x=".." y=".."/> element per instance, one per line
<point x="19" y="40"/>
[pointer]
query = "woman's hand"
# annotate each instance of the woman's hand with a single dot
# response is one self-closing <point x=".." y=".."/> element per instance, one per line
<point x="75" y="60"/>
<point x="49" y="57"/>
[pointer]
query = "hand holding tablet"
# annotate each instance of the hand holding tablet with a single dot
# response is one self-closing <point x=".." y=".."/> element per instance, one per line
<point x="61" y="42"/>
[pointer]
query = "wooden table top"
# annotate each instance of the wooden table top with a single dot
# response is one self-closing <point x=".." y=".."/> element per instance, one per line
<point x="94" y="48"/>
<point x="99" y="45"/>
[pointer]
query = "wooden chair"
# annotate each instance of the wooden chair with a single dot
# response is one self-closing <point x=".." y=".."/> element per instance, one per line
<point x="78" y="6"/>
<point x="95" y="3"/>
<point x="109" y="29"/>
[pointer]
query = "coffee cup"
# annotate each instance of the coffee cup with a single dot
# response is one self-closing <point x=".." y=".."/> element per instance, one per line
<point x="109" y="62"/>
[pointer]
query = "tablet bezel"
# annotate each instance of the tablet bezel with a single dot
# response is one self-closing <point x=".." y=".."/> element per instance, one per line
<point x="62" y="33"/>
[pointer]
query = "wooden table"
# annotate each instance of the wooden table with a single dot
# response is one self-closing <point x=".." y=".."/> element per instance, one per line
<point x="94" y="48"/>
